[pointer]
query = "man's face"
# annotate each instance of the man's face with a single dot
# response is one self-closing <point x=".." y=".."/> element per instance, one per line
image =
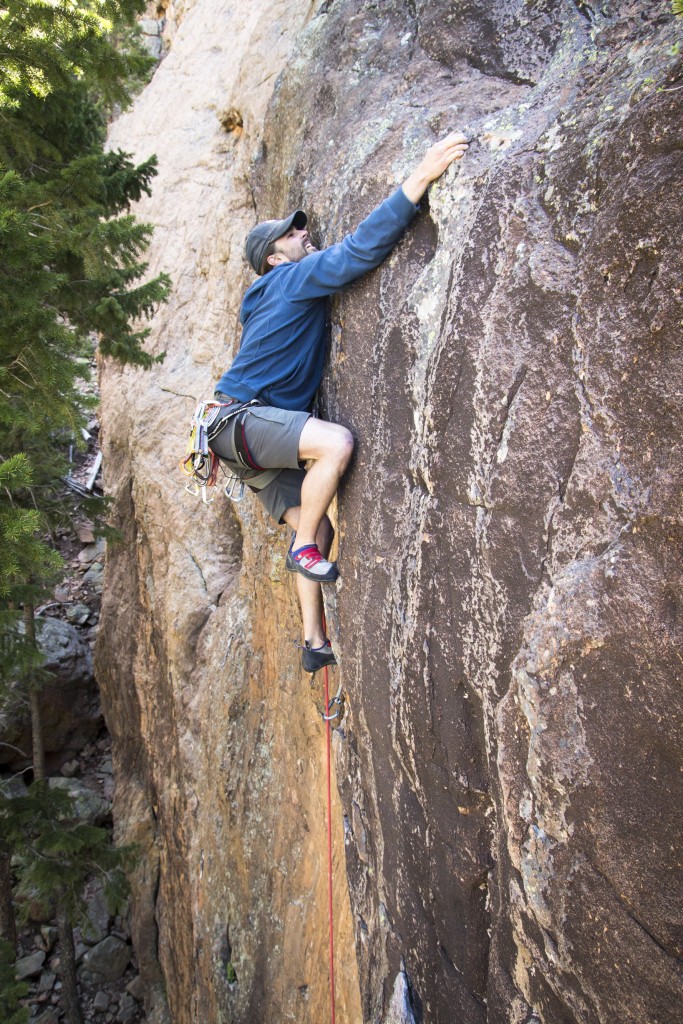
<point x="294" y="245"/>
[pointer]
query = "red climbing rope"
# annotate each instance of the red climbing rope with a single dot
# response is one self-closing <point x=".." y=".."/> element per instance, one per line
<point x="329" y="835"/>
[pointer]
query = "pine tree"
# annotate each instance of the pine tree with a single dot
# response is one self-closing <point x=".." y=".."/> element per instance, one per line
<point x="71" y="255"/>
<point x="72" y="272"/>
<point x="71" y="264"/>
<point x="54" y="855"/>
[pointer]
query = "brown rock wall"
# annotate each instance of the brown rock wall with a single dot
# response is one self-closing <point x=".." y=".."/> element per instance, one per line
<point x="509" y="531"/>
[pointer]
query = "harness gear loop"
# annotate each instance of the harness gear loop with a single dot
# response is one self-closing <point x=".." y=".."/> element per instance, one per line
<point x="201" y="463"/>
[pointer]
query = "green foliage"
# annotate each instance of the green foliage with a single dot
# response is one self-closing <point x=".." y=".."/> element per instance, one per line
<point x="72" y="273"/>
<point x="11" y="990"/>
<point x="677" y="6"/>
<point x="28" y="566"/>
<point x="71" y="257"/>
<point x="47" y="43"/>
<point x="23" y="555"/>
<point x="55" y="853"/>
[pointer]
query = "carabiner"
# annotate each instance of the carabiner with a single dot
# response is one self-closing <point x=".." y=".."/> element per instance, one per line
<point x="229" y="488"/>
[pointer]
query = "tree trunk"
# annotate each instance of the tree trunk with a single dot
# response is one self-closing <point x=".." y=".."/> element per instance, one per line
<point x="67" y="957"/>
<point x="8" y="928"/>
<point x="34" y="702"/>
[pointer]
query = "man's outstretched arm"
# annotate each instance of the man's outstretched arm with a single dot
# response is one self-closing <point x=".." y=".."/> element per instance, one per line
<point x="324" y="273"/>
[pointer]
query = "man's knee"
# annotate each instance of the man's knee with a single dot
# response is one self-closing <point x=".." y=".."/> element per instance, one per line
<point x="322" y="440"/>
<point x="344" y="446"/>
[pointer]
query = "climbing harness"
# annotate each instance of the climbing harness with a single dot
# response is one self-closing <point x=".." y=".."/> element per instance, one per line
<point x="201" y="463"/>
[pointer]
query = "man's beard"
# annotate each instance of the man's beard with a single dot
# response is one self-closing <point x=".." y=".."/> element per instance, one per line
<point x="305" y="249"/>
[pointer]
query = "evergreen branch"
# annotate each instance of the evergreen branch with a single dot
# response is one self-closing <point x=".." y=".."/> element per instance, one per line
<point x="17" y="775"/>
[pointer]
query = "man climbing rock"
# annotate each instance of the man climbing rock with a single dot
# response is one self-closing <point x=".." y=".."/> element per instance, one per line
<point x="279" y="364"/>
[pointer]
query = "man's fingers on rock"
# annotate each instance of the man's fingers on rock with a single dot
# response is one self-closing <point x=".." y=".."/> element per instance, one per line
<point x="455" y="138"/>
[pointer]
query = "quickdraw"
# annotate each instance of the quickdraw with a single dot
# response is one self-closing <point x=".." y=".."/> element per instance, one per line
<point x="338" y="699"/>
<point x="200" y="463"/>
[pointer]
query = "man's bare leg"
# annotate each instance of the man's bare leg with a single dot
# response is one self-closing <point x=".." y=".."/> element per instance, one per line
<point x="330" y="446"/>
<point x="310" y="593"/>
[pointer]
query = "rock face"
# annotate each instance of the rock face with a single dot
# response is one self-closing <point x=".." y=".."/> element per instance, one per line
<point x="508" y="533"/>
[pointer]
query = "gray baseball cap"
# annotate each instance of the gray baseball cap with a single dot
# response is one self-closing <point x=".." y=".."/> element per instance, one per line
<point x="268" y="231"/>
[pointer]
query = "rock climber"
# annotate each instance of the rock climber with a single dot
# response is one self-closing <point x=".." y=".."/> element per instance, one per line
<point x="279" y="364"/>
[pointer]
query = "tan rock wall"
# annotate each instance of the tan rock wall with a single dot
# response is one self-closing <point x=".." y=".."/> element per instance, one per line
<point x="219" y="751"/>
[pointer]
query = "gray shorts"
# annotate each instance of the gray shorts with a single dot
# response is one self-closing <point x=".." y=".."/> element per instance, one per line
<point x="272" y="437"/>
<point x="282" y="493"/>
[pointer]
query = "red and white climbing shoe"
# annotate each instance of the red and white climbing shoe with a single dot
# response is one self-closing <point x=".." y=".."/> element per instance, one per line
<point x="310" y="563"/>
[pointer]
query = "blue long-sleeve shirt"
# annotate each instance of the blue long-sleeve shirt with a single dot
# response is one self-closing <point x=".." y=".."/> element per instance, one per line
<point x="283" y="313"/>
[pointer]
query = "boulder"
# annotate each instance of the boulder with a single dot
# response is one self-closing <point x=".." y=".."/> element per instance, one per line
<point x="30" y="966"/>
<point x="47" y="982"/>
<point x="50" y="1016"/>
<point x="92" y="552"/>
<point x="69" y="769"/>
<point x="13" y="787"/>
<point x="128" y="1009"/>
<point x="136" y="988"/>
<point x="78" y="614"/>
<point x="88" y="805"/>
<point x="48" y="937"/>
<point x="70" y="700"/>
<point x="101" y="1001"/>
<point x="107" y="961"/>
<point x="400" y="1009"/>
<point x="97" y="925"/>
<point x="95" y="577"/>
<point x="85" y="534"/>
<point x="81" y="950"/>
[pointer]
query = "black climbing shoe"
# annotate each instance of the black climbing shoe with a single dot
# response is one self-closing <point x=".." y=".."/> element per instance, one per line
<point x="313" y="658"/>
